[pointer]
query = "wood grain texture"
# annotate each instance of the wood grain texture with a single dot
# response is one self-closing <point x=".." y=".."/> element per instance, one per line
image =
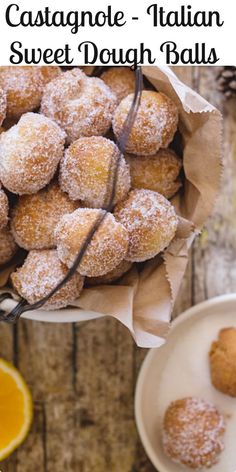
<point x="83" y="377"/>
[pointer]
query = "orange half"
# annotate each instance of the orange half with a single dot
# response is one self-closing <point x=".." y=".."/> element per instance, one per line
<point x="15" y="409"/>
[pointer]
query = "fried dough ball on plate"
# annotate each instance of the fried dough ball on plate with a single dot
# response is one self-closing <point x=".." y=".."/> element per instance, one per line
<point x="3" y="106"/>
<point x="111" y="276"/>
<point x="106" y="250"/>
<point x="155" y="124"/>
<point x="193" y="432"/>
<point x="4" y="208"/>
<point x="222" y="357"/>
<point x="8" y="245"/>
<point x="159" y="173"/>
<point x="29" y="153"/>
<point x="81" y="105"/>
<point x="87" y="171"/>
<point x="24" y="87"/>
<point x="121" y="81"/>
<point x="40" y="273"/>
<point x="35" y="217"/>
<point x="151" y="222"/>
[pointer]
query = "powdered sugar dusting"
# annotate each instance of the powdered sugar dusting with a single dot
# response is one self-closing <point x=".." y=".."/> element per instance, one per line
<point x="41" y="272"/>
<point x="81" y="105"/>
<point x="151" y="222"/>
<point x="29" y="153"/>
<point x="193" y="432"/>
<point x="155" y="124"/>
<point x="86" y="169"/>
<point x="106" y="250"/>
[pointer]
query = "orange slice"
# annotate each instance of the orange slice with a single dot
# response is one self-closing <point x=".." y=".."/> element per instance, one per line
<point x="15" y="409"/>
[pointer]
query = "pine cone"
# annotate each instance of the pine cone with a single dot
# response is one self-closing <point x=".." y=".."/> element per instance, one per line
<point x="227" y="81"/>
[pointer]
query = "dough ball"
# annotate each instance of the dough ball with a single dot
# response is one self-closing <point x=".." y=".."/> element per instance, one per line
<point x="151" y="222"/>
<point x="222" y="358"/>
<point x="30" y="153"/>
<point x="24" y="87"/>
<point x="81" y="105"/>
<point x="35" y="217"/>
<point x="155" y="124"/>
<point x="193" y="432"/>
<point x="108" y="246"/>
<point x="87" y="171"/>
<point x="40" y="273"/>
<point x="121" y="81"/>
<point x="159" y="173"/>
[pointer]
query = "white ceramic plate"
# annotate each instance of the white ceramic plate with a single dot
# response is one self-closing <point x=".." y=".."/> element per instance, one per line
<point x="179" y="369"/>
<point x="67" y="315"/>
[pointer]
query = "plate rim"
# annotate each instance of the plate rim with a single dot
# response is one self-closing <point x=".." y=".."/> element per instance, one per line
<point x="185" y="315"/>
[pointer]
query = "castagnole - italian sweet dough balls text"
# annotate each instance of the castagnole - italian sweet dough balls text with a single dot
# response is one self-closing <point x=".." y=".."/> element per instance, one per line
<point x="107" y="248"/>
<point x="193" y="432"/>
<point x="8" y="245"/>
<point x="40" y="273"/>
<point x="151" y="222"/>
<point x="30" y="153"/>
<point x="159" y="173"/>
<point x="35" y="217"/>
<point x="81" y="105"/>
<point x="3" y="106"/>
<point x="121" y="81"/>
<point x="222" y="358"/>
<point x="155" y="124"/>
<point x="88" y="169"/>
<point x="24" y="87"/>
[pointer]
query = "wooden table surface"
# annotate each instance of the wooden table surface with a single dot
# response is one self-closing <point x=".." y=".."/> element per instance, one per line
<point x="83" y="377"/>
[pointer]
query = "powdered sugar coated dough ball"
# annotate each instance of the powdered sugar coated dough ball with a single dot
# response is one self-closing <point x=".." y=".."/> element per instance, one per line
<point x="24" y="87"/>
<point x="3" y="106"/>
<point x="35" y="217"/>
<point x="155" y="124"/>
<point x="193" y="432"/>
<point x="87" y="171"/>
<point x="107" y="248"/>
<point x="29" y="153"/>
<point x="151" y="222"/>
<point x="121" y="81"/>
<point x="40" y="273"/>
<point x="8" y="246"/>
<point x="81" y="105"/>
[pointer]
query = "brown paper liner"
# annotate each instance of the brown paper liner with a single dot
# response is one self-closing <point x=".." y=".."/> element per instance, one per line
<point x="143" y="301"/>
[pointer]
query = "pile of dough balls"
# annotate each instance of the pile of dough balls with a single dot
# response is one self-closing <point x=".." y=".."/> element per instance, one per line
<point x="59" y="160"/>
